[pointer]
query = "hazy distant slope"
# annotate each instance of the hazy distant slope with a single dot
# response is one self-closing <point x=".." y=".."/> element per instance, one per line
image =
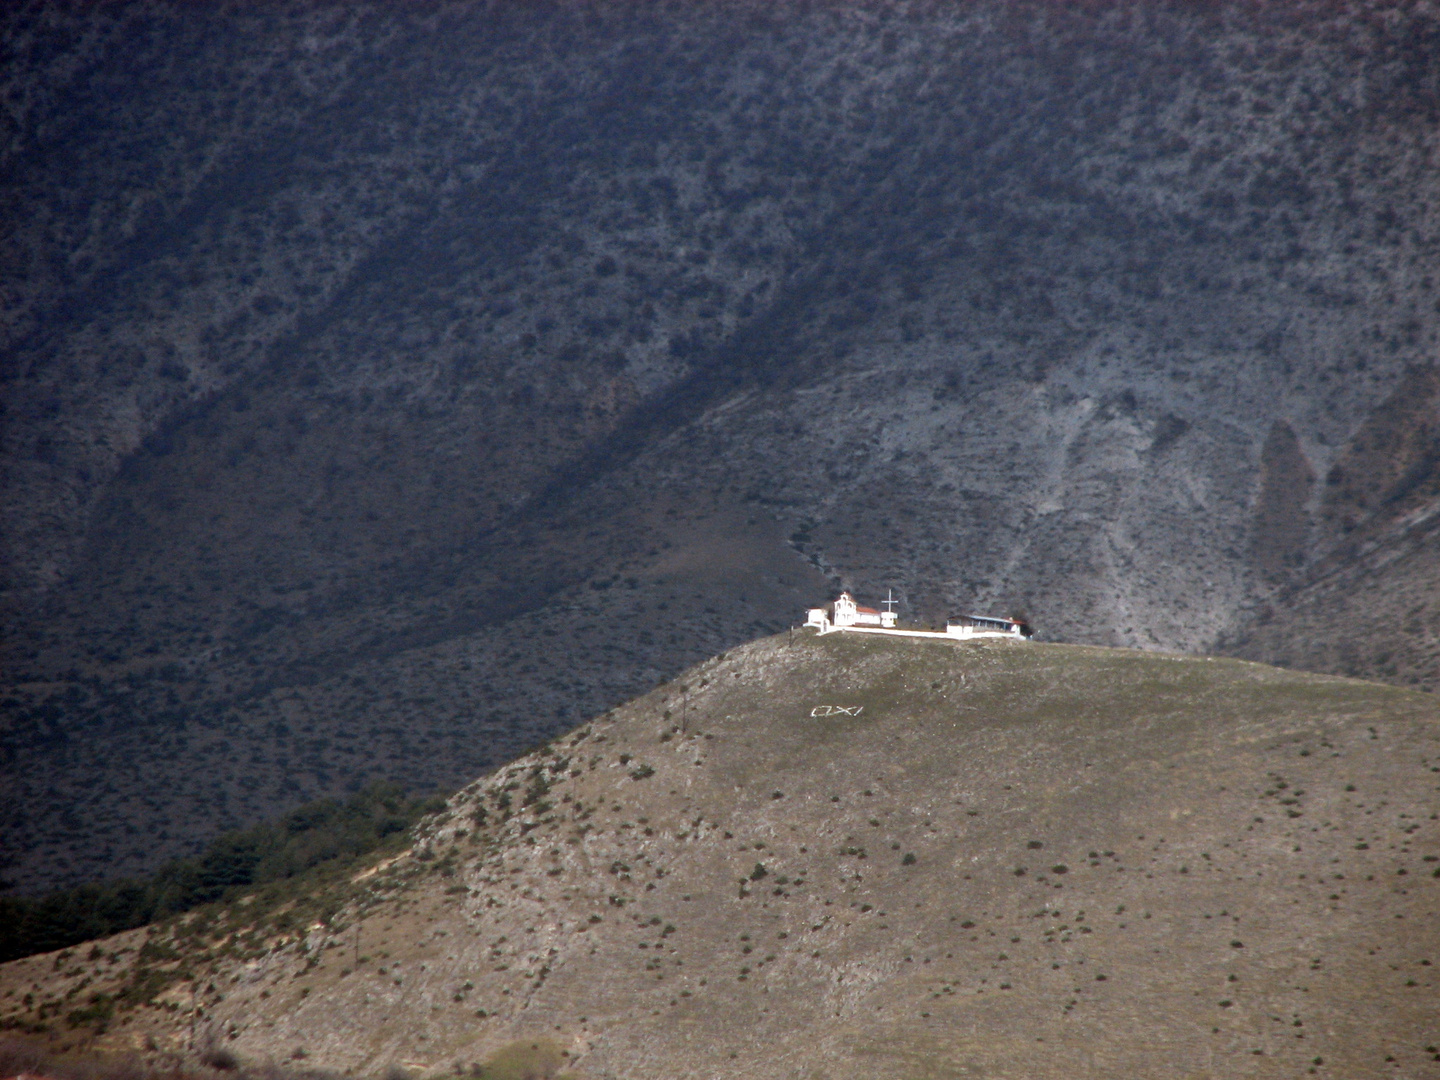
<point x="360" y="356"/>
<point x="1027" y="860"/>
<point x="1371" y="605"/>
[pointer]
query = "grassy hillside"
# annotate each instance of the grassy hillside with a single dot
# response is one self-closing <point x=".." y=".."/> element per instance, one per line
<point x="1000" y="859"/>
<point x="357" y="354"/>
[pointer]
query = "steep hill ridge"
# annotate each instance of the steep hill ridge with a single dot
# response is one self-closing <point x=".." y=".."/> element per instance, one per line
<point x="868" y="857"/>
<point x="357" y="354"/>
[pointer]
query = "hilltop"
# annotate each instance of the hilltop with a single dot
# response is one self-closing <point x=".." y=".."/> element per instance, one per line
<point x="859" y="857"/>
<point x="358" y="354"/>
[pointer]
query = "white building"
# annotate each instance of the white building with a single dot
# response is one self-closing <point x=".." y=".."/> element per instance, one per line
<point x="968" y="626"/>
<point x="849" y="613"/>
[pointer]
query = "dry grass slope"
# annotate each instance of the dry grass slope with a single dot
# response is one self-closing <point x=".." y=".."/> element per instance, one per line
<point x="1003" y="860"/>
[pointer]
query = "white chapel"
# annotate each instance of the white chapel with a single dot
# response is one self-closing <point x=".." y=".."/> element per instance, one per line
<point x="849" y="613"/>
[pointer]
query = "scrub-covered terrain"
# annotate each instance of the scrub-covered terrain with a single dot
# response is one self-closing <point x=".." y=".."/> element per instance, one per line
<point x="857" y="857"/>
<point x="386" y="388"/>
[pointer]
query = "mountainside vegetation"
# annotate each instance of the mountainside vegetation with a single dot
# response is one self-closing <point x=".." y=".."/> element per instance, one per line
<point x="325" y="833"/>
<point x="856" y="857"/>
<point x="387" y="388"/>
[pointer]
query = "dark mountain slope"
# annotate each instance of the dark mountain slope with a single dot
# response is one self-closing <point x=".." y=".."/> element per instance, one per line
<point x="1370" y="605"/>
<point x="360" y="359"/>
<point x="863" y="857"/>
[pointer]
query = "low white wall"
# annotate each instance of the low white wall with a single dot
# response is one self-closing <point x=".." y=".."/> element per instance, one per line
<point x="921" y="633"/>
